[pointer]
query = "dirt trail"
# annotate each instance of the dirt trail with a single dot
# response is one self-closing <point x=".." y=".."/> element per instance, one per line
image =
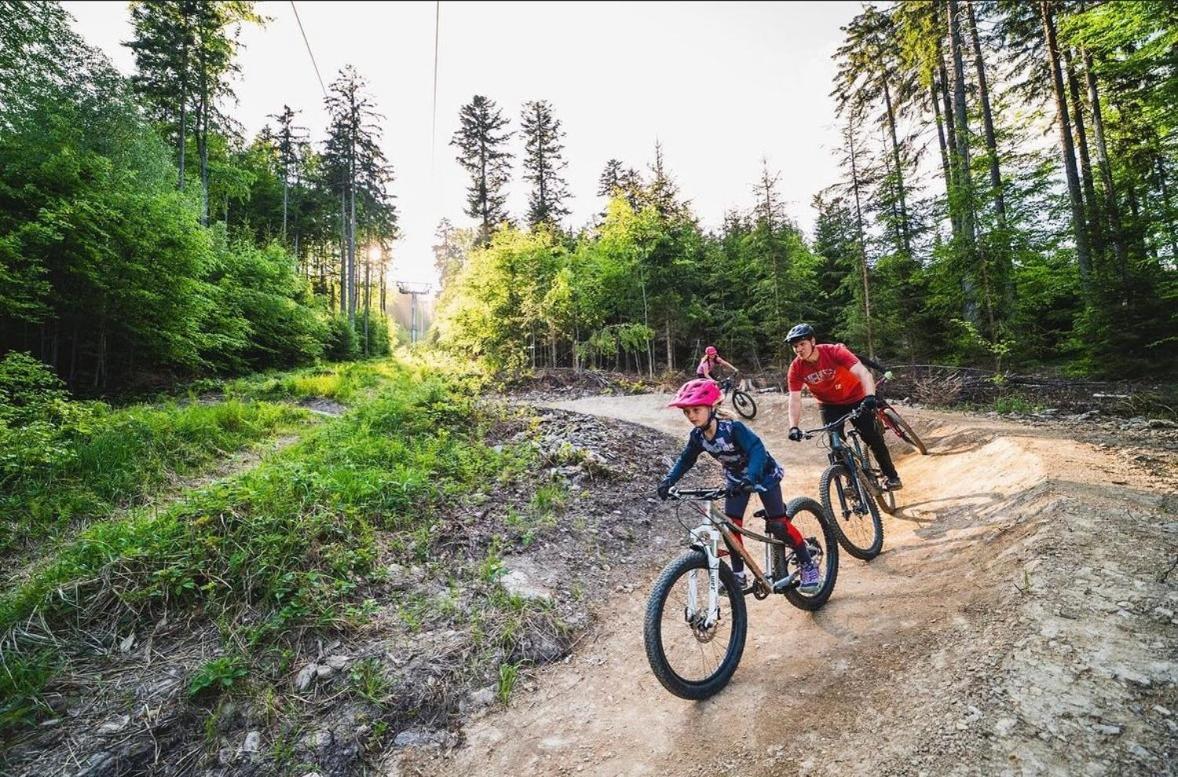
<point x="1021" y="620"/>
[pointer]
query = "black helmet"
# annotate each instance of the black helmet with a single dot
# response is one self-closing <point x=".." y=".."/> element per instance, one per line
<point x="799" y="332"/>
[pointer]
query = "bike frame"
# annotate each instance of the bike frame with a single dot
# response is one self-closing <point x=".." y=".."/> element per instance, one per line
<point x="707" y="537"/>
<point x="851" y="456"/>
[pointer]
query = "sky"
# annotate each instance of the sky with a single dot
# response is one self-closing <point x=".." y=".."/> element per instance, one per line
<point x="719" y="85"/>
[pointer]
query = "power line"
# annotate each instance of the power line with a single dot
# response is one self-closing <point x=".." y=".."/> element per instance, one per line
<point x="311" y="53"/>
<point x="433" y="133"/>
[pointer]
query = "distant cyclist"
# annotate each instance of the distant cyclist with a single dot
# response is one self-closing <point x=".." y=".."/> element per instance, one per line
<point x="707" y="365"/>
<point x="840" y="383"/>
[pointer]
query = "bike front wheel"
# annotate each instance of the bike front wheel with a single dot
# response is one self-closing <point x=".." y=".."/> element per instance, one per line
<point x="692" y="652"/>
<point x="744" y="404"/>
<point x="853" y="512"/>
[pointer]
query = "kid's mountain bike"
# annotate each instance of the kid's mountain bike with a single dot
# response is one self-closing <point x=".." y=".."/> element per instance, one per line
<point x="850" y="488"/>
<point x="741" y="400"/>
<point x="696" y="618"/>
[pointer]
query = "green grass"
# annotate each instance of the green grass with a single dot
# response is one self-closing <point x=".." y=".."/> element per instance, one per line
<point x="344" y="383"/>
<point x="116" y="456"/>
<point x="1012" y="404"/>
<point x="287" y="546"/>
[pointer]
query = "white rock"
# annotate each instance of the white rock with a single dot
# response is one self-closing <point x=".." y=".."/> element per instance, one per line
<point x="253" y="742"/>
<point x="306" y="676"/>
<point x="114" y="725"/>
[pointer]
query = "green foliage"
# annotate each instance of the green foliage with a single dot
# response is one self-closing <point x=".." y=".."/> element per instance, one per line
<point x="369" y="681"/>
<point x="508" y="677"/>
<point x="287" y="544"/>
<point x="1014" y="405"/>
<point x="217" y="675"/>
<point x="61" y="461"/>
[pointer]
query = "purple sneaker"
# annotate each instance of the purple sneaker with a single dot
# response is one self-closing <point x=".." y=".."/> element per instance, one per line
<point x="811" y="579"/>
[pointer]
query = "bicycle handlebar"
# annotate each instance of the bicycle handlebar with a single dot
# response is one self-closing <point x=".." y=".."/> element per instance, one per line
<point x="701" y="494"/>
<point x="851" y="416"/>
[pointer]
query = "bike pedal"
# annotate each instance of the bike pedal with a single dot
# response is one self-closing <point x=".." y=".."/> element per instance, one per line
<point x="785" y="583"/>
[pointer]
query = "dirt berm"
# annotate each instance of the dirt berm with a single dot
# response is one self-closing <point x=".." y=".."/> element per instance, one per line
<point x="1021" y="620"/>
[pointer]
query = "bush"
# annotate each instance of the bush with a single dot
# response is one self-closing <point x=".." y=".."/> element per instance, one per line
<point x="38" y="423"/>
<point x="341" y="343"/>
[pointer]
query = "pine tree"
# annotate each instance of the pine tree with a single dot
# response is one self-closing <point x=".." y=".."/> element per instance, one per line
<point x="359" y="174"/>
<point x="290" y="141"/>
<point x="543" y="163"/>
<point x="481" y="142"/>
<point x="184" y="52"/>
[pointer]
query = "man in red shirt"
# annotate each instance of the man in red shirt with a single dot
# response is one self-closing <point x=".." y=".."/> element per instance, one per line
<point x="840" y="383"/>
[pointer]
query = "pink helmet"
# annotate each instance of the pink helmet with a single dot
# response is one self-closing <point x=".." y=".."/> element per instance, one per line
<point x="711" y="350"/>
<point x="697" y="393"/>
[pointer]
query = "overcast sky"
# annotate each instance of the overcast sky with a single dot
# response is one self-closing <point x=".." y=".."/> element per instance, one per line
<point x="720" y="85"/>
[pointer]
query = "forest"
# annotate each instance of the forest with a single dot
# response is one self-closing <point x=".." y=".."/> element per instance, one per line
<point x="1005" y="201"/>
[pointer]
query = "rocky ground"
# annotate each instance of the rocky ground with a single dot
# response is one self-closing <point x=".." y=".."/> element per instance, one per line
<point x="1021" y="620"/>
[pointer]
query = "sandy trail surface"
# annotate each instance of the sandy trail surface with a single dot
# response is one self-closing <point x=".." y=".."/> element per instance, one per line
<point x="1020" y="620"/>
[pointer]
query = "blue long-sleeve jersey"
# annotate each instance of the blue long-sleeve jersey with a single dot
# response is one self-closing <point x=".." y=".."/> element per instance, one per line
<point x="739" y="451"/>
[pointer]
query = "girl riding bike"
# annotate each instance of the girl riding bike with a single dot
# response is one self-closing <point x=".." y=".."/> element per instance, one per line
<point x="748" y="467"/>
<point x="707" y="364"/>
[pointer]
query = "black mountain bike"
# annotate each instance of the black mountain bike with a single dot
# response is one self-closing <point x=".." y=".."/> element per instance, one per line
<point x="696" y="618"/>
<point x="741" y="400"/>
<point x="850" y="488"/>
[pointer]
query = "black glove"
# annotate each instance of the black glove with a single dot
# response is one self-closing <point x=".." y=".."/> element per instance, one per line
<point x="870" y="402"/>
<point x="747" y="486"/>
<point x="664" y="490"/>
<point x="795" y="434"/>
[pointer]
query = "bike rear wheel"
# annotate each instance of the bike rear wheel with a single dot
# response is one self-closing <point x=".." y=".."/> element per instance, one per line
<point x="808" y="517"/>
<point x="853" y="512"/>
<point x="691" y="659"/>
<point x="904" y="431"/>
<point x="744" y="404"/>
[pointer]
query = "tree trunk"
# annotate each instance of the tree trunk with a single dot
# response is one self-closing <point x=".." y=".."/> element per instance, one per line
<point x="1051" y="49"/>
<point x="1106" y="175"/>
<point x="670" y="351"/>
<point x="367" y="301"/>
<point x="1164" y="190"/>
<point x="202" y="136"/>
<point x="988" y="122"/>
<point x="1091" y="210"/>
<point x="183" y="115"/>
<point x="343" y="250"/>
<point x="963" y="176"/>
<point x="961" y="125"/>
<point x="935" y="99"/>
<point x="285" y="187"/>
<point x="954" y="206"/>
<point x="862" y="242"/>
<point x="904" y="232"/>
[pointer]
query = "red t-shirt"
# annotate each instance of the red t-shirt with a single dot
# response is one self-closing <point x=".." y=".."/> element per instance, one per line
<point x="830" y="378"/>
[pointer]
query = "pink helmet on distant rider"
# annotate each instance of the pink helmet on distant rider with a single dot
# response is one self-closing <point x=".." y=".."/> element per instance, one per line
<point x="710" y="351"/>
<point x="700" y="392"/>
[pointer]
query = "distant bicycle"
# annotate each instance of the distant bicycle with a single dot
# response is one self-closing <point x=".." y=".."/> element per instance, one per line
<point x="696" y="619"/>
<point x="889" y="418"/>
<point x="850" y="489"/>
<point x="741" y="400"/>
